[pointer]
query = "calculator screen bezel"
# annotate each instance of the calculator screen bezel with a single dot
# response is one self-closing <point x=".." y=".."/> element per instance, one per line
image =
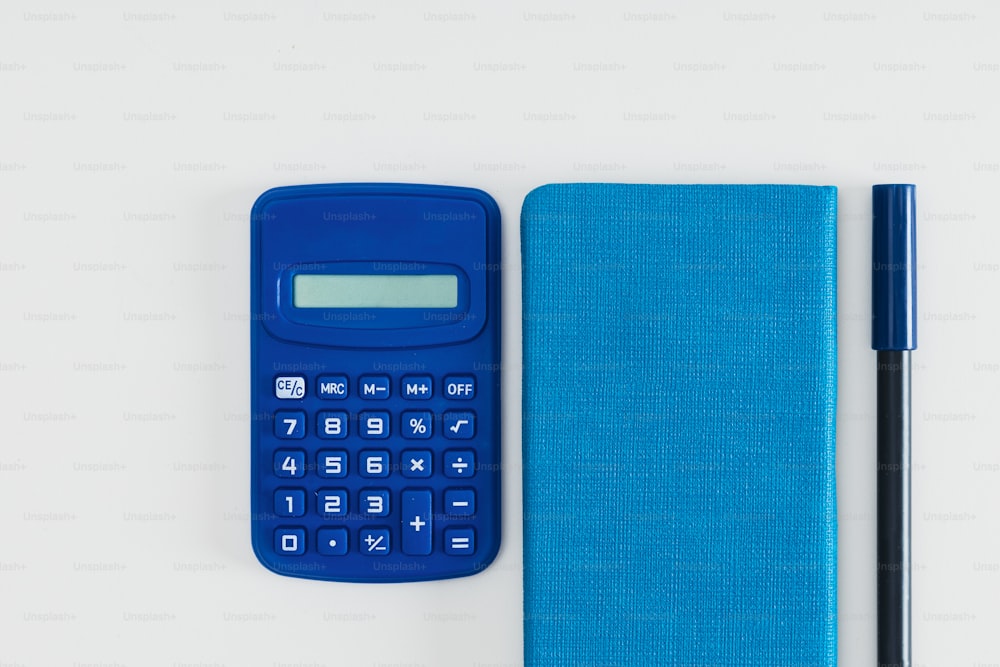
<point x="374" y="318"/>
<point x="333" y="226"/>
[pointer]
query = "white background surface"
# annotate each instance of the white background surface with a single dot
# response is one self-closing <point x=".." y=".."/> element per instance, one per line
<point x="133" y="140"/>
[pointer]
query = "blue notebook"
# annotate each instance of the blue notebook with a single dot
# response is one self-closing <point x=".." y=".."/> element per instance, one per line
<point x="679" y="412"/>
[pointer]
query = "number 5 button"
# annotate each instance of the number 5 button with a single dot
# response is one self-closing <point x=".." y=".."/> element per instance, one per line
<point x="290" y="424"/>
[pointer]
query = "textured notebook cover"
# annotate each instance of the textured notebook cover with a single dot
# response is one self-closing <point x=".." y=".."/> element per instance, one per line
<point x="679" y="413"/>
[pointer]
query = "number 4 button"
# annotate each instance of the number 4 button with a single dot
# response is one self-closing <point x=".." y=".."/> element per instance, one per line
<point x="289" y="463"/>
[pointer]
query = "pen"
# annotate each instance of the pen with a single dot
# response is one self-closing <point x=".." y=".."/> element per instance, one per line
<point x="894" y="334"/>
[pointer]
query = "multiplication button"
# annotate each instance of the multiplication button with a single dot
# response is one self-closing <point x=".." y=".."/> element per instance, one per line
<point x="415" y="463"/>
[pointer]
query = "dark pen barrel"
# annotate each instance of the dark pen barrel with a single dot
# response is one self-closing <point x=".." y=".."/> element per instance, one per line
<point x="894" y="334"/>
<point x="893" y="541"/>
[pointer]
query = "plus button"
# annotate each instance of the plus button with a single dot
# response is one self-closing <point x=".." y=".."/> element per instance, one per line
<point x="417" y="522"/>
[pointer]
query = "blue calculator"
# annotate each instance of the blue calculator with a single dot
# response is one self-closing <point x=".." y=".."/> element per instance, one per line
<point x="375" y="381"/>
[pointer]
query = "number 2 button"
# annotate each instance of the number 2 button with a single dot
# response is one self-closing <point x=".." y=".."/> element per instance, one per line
<point x="290" y="424"/>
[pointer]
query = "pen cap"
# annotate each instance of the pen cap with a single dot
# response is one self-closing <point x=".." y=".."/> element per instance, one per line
<point x="894" y="267"/>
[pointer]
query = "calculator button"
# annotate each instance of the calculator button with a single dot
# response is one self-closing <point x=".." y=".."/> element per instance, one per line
<point x="417" y="387"/>
<point x="459" y="425"/>
<point x="374" y="541"/>
<point x="459" y="541"/>
<point x="373" y="463"/>
<point x="331" y="503"/>
<point x="460" y="502"/>
<point x="416" y="522"/>
<point x="289" y="387"/>
<point x="331" y="463"/>
<point x="374" y="502"/>
<point x="289" y="463"/>
<point x="290" y="541"/>
<point x="332" y="387"/>
<point x="416" y="425"/>
<point x="331" y="541"/>
<point x="331" y="425"/>
<point x="459" y="463"/>
<point x="290" y="424"/>
<point x="415" y="463"/>
<point x="373" y="387"/>
<point x="460" y="387"/>
<point x="289" y="502"/>
<point x="373" y="425"/>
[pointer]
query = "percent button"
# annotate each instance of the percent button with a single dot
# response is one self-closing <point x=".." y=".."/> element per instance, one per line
<point x="417" y="425"/>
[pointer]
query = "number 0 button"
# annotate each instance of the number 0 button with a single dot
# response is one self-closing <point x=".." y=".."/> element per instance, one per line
<point x="290" y="541"/>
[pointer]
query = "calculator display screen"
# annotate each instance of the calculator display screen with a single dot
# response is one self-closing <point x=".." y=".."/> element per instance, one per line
<point x="310" y="290"/>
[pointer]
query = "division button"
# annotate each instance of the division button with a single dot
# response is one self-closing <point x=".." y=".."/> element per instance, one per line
<point x="459" y="463"/>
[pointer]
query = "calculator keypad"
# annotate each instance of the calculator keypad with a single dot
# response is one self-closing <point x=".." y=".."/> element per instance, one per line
<point x="342" y="486"/>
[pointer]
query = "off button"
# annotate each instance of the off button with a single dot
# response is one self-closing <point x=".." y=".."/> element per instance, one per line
<point x="460" y="387"/>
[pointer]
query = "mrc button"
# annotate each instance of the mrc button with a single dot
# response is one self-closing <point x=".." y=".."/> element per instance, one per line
<point x="331" y="386"/>
<point x="460" y="387"/>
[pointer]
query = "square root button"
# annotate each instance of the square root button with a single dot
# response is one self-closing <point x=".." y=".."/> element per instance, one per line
<point x="459" y="425"/>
